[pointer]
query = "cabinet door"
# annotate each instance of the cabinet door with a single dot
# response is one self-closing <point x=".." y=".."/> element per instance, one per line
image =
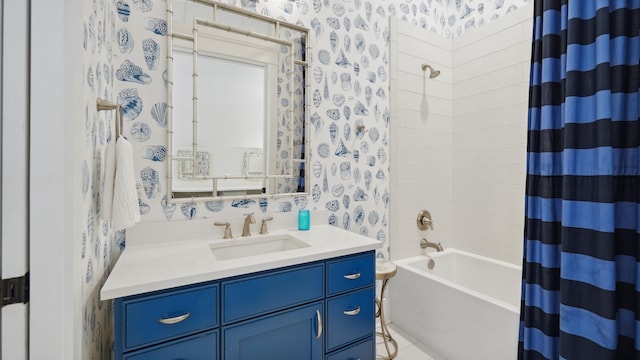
<point x="293" y="334"/>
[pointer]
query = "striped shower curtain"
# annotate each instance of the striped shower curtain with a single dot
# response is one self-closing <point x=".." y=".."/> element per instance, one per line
<point x="581" y="268"/>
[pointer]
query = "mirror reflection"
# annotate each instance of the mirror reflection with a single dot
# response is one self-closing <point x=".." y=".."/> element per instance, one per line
<point x="238" y="98"/>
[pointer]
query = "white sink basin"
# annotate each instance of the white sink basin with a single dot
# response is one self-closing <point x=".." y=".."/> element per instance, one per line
<point x="259" y="245"/>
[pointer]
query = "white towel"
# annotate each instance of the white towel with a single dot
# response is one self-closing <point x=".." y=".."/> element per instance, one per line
<point x="109" y="161"/>
<point x="126" y="211"/>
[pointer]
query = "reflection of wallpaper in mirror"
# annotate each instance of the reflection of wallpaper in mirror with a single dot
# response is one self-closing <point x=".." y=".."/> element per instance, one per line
<point x="186" y="170"/>
<point x="253" y="163"/>
<point x="232" y="47"/>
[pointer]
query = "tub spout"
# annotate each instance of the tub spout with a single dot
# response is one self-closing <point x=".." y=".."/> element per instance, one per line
<point x="424" y="243"/>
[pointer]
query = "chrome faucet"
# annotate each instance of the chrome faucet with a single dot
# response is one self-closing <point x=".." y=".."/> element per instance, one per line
<point x="246" y="228"/>
<point x="424" y="243"/>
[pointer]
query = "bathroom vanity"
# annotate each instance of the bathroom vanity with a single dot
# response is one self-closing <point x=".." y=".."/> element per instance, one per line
<point x="215" y="299"/>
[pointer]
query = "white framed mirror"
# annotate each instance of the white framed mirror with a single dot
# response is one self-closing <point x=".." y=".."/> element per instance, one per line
<point x="238" y="100"/>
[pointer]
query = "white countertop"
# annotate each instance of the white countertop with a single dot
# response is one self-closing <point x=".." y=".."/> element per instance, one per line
<point x="150" y="267"/>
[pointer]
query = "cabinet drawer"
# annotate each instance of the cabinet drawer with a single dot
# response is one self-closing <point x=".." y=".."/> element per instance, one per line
<point x="246" y="297"/>
<point x="350" y="273"/>
<point x="168" y="314"/>
<point x="198" y="347"/>
<point x="361" y="351"/>
<point x="350" y="317"/>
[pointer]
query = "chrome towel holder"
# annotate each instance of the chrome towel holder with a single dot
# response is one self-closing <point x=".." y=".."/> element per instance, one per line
<point x="103" y="104"/>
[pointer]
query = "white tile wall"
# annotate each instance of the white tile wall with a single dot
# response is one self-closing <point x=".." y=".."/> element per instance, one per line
<point x="458" y="141"/>
<point x="421" y="141"/>
<point x="489" y="124"/>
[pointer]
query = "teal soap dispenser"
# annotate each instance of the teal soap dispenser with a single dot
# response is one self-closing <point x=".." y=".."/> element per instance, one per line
<point x="304" y="219"/>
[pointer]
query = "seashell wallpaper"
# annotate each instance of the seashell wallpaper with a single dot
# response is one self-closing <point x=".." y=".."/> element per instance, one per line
<point x="124" y="47"/>
<point x="105" y="40"/>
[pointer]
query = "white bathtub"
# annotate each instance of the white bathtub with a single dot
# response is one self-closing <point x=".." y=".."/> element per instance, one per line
<point x="465" y="308"/>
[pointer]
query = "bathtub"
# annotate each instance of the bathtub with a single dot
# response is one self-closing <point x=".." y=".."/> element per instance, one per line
<point x="465" y="308"/>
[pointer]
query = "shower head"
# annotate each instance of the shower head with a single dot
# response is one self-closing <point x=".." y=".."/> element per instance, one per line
<point x="433" y="73"/>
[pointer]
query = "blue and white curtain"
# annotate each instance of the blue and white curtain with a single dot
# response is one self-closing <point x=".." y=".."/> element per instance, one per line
<point x="581" y="269"/>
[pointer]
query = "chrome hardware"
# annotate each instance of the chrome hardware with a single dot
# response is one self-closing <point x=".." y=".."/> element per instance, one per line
<point x="102" y="104"/>
<point x="424" y="220"/>
<point x="227" y="229"/>
<point x="174" y="320"/>
<point x="424" y="243"/>
<point x="353" y="312"/>
<point x="433" y="73"/>
<point x="319" y="330"/>
<point x="263" y="226"/>
<point x="352" y="276"/>
<point x="246" y="228"/>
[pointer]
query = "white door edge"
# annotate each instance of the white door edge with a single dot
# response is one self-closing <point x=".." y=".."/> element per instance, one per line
<point x="15" y="171"/>
<point x="53" y="307"/>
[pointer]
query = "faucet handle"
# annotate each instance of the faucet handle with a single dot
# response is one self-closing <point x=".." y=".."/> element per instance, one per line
<point x="263" y="226"/>
<point x="227" y="229"/>
<point x="424" y="220"/>
<point x="428" y="223"/>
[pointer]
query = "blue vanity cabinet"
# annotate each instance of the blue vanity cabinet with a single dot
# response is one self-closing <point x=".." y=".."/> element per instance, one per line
<point x="312" y="311"/>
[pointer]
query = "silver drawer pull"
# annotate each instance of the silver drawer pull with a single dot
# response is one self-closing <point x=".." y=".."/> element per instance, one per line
<point x="352" y="276"/>
<point x="319" y="330"/>
<point x="174" y="320"/>
<point x="353" y="312"/>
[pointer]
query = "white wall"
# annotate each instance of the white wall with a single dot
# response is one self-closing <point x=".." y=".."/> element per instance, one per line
<point x="14" y="176"/>
<point x="458" y="142"/>
<point x="420" y="145"/>
<point x="489" y="123"/>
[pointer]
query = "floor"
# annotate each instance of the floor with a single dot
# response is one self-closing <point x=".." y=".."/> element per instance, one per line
<point x="408" y="347"/>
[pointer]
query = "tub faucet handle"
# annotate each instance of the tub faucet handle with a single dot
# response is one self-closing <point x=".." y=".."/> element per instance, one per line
<point x="424" y="220"/>
<point x="427" y="222"/>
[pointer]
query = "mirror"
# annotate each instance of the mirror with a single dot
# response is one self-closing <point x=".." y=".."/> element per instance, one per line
<point x="237" y="94"/>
